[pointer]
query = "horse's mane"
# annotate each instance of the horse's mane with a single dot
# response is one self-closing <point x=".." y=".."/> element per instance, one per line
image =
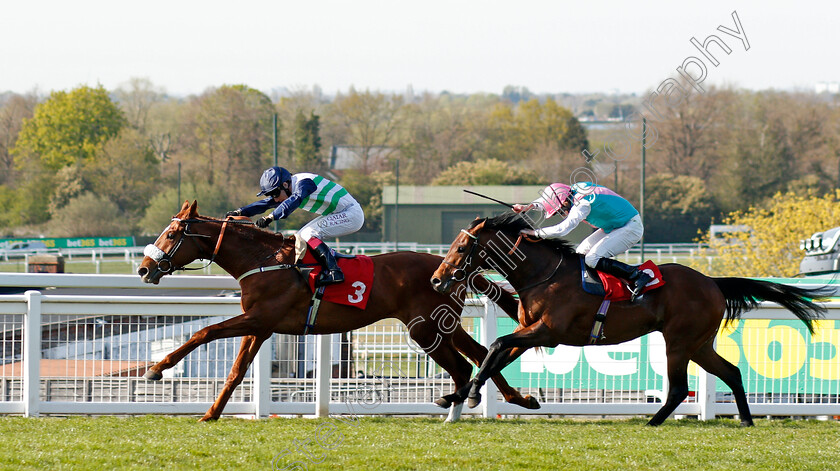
<point x="511" y="223"/>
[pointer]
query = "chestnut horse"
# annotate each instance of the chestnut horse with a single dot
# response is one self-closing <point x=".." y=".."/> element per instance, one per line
<point x="554" y="309"/>
<point x="277" y="300"/>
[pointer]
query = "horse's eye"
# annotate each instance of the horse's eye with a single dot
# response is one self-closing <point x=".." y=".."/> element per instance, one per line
<point x="460" y="250"/>
<point x="170" y="235"/>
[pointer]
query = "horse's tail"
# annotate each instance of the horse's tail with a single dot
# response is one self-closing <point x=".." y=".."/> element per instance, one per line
<point x="743" y="294"/>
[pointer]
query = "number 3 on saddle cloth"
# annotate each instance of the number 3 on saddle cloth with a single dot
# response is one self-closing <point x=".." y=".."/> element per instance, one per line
<point x="358" y="279"/>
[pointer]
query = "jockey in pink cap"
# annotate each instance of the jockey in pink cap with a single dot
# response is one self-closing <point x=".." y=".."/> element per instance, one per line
<point x="618" y="225"/>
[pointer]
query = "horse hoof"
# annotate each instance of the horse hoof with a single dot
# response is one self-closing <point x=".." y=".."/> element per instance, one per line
<point x="745" y="423"/>
<point x="474" y="401"/>
<point x="532" y="403"/>
<point x="152" y="375"/>
<point x="443" y="402"/>
<point x="208" y="418"/>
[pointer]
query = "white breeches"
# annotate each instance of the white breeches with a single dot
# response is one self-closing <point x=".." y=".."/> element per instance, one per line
<point x="600" y="244"/>
<point x="346" y="221"/>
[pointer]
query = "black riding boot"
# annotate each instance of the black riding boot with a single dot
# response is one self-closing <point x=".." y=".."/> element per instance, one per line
<point x="331" y="274"/>
<point x="637" y="278"/>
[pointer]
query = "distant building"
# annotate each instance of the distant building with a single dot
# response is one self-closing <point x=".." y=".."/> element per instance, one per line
<point x="435" y="214"/>
<point x="827" y="87"/>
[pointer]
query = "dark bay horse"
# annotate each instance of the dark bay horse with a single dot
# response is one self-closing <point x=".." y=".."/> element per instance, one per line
<point x="278" y="300"/>
<point x="688" y="309"/>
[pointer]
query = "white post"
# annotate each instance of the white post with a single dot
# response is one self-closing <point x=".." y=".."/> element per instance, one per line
<point x="323" y="372"/>
<point x="488" y="335"/>
<point x="32" y="355"/>
<point x="706" y="392"/>
<point x="262" y="379"/>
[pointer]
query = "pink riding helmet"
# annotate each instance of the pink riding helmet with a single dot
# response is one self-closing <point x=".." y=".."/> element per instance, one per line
<point x="553" y="197"/>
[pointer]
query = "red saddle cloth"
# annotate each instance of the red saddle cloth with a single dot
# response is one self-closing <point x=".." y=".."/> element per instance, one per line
<point x="358" y="280"/>
<point x="616" y="290"/>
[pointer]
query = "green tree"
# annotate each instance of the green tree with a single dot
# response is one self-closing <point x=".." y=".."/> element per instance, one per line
<point x="307" y="143"/>
<point x="89" y="215"/>
<point x="676" y="208"/>
<point x="8" y="218"/>
<point x="27" y="204"/>
<point x="68" y="183"/>
<point x="125" y="171"/>
<point x="69" y="127"/>
<point x="213" y="200"/>
<point x="486" y="172"/>
<point x="771" y="246"/>
<point x="515" y="133"/>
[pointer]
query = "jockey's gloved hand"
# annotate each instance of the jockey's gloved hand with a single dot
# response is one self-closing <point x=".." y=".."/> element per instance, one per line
<point x="264" y="221"/>
<point x="235" y="212"/>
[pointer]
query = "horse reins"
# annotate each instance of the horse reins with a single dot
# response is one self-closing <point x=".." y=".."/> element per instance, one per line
<point x="161" y="257"/>
<point x="459" y="273"/>
<point x="530" y="239"/>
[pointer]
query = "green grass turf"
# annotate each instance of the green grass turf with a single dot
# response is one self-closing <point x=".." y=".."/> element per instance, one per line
<point x="152" y="442"/>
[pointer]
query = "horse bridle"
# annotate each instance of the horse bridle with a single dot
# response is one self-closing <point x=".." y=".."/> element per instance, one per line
<point x="164" y="259"/>
<point x="459" y="273"/>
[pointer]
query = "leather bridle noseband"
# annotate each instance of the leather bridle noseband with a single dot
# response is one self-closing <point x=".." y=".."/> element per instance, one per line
<point x="164" y="259"/>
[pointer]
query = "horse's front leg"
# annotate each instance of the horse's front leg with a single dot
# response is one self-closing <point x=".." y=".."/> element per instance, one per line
<point x="247" y="351"/>
<point x="477" y="353"/>
<point x="233" y="327"/>
<point x="503" y="351"/>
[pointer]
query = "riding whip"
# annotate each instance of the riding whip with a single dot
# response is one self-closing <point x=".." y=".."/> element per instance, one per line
<point x="521" y="214"/>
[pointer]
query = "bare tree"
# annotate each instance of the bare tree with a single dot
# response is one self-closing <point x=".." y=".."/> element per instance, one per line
<point x="12" y="113"/>
<point x="689" y="135"/>
<point x="369" y="121"/>
<point x="136" y="98"/>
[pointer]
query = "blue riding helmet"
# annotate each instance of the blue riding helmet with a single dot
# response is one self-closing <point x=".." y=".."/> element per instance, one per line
<point x="272" y="179"/>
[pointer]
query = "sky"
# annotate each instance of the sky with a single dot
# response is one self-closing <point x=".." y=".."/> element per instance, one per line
<point x="187" y="46"/>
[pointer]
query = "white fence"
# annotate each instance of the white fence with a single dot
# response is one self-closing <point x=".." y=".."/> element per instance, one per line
<point x="129" y="258"/>
<point x="93" y="349"/>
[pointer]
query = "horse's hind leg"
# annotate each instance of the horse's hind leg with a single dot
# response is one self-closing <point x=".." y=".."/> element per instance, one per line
<point x="233" y="327"/>
<point x="477" y="353"/>
<point x="247" y="351"/>
<point x="709" y="360"/>
<point x="445" y="355"/>
<point x="677" y="387"/>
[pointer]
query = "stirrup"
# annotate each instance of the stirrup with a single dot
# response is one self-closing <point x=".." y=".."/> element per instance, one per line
<point x="330" y="277"/>
<point x="639" y="284"/>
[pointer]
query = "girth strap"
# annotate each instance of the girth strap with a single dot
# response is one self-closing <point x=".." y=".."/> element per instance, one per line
<point x="598" y="328"/>
<point x="314" y="304"/>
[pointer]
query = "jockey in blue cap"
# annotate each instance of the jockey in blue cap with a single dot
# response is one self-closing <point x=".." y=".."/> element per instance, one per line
<point x="338" y="213"/>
